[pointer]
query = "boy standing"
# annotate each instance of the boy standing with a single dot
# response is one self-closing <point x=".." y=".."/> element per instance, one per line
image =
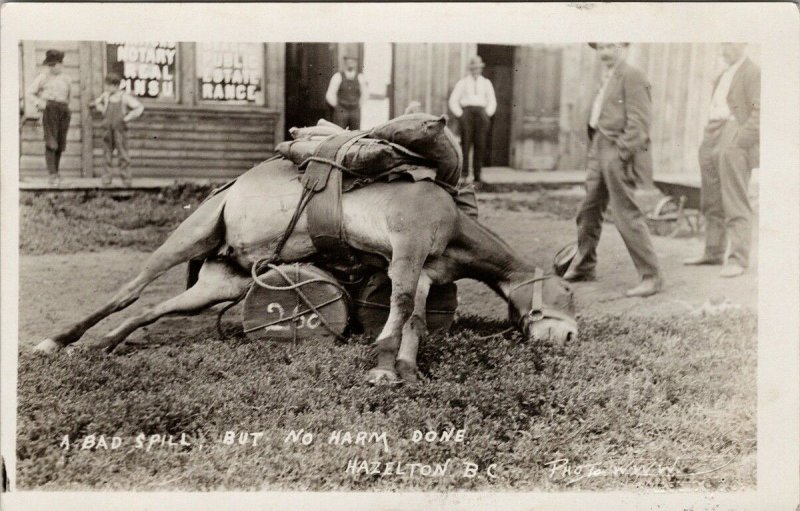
<point x="118" y="108"/>
<point x="50" y="93"/>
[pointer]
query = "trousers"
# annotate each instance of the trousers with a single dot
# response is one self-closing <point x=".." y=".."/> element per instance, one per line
<point x="725" y="170"/>
<point x="347" y="118"/>
<point x="116" y="138"/>
<point x="474" y="126"/>
<point x="610" y="182"/>
<point x="55" y="124"/>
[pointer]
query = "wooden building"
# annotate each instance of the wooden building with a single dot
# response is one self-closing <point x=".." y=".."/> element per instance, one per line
<point x="211" y="109"/>
<point x="215" y="109"/>
<point x="544" y="94"/>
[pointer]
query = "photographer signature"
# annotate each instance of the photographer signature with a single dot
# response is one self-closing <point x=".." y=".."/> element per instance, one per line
<point x="563" y="468"/>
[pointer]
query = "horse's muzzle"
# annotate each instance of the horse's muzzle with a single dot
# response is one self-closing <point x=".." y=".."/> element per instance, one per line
<point x="550" y="326"/>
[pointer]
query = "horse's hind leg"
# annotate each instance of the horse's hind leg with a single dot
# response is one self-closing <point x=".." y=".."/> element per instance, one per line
<point x="197" y="236"/>
<point x="408" y="256"/>
<point x="414" y="331"/>
<point x="218" y="282"/>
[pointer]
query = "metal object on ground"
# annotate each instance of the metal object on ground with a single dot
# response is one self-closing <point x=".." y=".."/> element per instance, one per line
<point x="680" y="207"/>
<point x="564" y="257"/>
<point x="372" y="305"/>
<point x="297" y="301"/>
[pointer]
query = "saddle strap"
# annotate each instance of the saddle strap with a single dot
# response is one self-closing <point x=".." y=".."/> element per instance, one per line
<point x="323" y="178"/>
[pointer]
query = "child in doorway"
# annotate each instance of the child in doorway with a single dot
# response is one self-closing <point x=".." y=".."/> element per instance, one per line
<point x="118" y="108"/>
<point x="50" y="92"/>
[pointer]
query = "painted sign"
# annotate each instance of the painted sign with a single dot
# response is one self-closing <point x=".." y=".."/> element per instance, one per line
<point x="231" y="73"/>
<point x="148" y="69"/>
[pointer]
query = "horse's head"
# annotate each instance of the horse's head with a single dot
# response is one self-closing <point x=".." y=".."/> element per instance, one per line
<point x="542" y="308"/>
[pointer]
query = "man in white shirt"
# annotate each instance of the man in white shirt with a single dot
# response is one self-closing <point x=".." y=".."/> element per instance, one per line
<point x="347" y="92"/>
<point x="473" y="102"/>
<point x="729" y="152"/>
<point x="50" y="92"/>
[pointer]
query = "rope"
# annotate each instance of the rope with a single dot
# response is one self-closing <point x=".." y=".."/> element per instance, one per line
<point x="296" y="288"/>
<point x="498" y="334"/>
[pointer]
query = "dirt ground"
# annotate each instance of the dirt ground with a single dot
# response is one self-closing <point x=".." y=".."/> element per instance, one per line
<point x="58" y="288"/>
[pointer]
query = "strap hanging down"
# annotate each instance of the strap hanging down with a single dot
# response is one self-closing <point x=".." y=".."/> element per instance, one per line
<point x="324" y="179"/>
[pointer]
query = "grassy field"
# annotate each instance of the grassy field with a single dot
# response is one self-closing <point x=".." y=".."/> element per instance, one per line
<point x="664" y="400"/>
<point x="626" y="394"/>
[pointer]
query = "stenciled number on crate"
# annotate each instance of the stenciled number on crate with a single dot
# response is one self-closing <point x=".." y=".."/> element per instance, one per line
<point x="311" y="321"/>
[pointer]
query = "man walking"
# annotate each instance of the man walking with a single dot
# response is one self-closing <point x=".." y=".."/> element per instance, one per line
<point x="473" y="102"/>
<point x="618" y="159"/>
<point x="347" y="92"/>
<point x="727" y="155"/>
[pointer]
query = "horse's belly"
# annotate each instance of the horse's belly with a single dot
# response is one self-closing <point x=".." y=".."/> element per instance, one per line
<point x="365" y="221"/>
<point x="259" y="207"/>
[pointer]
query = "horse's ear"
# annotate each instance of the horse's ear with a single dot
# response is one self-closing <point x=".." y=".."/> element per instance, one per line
<point x="443" y="119"/>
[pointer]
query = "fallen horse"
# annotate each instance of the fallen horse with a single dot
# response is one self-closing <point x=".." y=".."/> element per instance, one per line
<point x="412" y="227"/>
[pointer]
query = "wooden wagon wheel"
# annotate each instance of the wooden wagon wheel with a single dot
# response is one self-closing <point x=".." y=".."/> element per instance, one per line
<point x="667" y="215"/>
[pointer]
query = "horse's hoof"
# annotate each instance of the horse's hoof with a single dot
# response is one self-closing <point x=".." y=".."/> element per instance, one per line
<point x="408" y="373"/>
<point x="47" y="346"/>
<point x="382" y="377"/>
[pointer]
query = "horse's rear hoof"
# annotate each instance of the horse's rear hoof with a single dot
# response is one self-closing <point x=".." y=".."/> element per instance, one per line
<point x="408" y="373"/>
<point x="382" y="377"/>
<point x="47" y="346"/>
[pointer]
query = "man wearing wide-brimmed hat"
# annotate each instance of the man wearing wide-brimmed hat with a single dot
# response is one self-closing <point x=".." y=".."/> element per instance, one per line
<point x="347" y="92"/>
<point x="473" y="102"/>
<point x="50" y="92"/>
<point x="619" y="158"/>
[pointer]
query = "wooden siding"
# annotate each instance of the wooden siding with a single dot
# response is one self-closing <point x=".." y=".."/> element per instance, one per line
<point x="183" y="140"/>
<point x="681" y="77"/>
<point x="31" y="133"/>
<point x="554" y="86"/>
<point x="536" y="107"/>
<point x="427" y="72"/>
<point x="194" y="142"/>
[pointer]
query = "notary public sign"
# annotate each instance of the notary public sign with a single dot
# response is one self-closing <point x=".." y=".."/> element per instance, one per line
<point x="148" y="69"/>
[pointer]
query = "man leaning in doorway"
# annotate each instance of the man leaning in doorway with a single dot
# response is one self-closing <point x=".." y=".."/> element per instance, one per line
<point x="727" y="156"/>
<point x="347" y="92"/>
<point x="618" y="159"/>
<point x="51" y="92"/>
<point x="473" y="102"/>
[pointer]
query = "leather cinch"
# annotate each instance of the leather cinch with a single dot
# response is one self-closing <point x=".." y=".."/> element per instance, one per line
<point x="323" y="179"/>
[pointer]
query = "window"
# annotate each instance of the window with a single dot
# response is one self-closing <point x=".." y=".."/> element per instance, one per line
<point x="230" y="73"/>
<point x="148" y="69"/>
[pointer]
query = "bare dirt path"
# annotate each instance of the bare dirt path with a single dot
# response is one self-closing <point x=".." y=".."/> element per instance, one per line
<point x="58" y="288"/>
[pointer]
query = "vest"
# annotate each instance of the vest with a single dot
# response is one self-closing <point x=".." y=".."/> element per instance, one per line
<point x="349" y="93"/>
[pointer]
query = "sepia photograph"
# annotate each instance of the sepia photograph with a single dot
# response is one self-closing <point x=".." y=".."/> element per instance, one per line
<point x="360" y="263"/>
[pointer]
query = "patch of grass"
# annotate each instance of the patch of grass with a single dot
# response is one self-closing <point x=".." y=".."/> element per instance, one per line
<point x="70" y="222"/>
<point x="666" y="392"/>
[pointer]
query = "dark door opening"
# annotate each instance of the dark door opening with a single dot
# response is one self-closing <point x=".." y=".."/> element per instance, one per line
<point x="499" y="69"/>
<point x="309" y="67"/>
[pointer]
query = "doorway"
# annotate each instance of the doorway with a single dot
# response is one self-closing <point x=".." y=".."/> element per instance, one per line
<point x="309" y="67"/>
<point x="499" y="70"/>
<point x="377" y="69"/>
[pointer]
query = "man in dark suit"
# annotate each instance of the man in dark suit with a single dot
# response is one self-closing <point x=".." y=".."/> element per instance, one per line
<point x="727" y="156"/>
<point x="618" y="160"/>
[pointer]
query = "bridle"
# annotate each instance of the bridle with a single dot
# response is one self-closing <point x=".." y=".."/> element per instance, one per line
<point x="538" y="310"/>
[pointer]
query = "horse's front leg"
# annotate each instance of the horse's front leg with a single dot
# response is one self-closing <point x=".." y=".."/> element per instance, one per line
<point x="408" y="256"/>
<point x="414" y="331"/>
